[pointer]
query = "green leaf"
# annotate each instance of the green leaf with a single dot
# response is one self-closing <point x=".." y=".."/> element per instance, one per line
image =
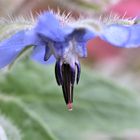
<point x="31" y="98"/>
<point x="8" y="131"/>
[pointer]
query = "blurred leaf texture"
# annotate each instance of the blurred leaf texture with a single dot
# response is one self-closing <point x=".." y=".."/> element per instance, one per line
<point x="32" y="100"/>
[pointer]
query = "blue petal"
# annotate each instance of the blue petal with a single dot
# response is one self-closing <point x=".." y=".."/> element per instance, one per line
<point x="134" y="39"/>
<point x="38" y="55"/>
<point x="67" y="30"/>
<point x="122" y="36"/>
<point x="88" y="35"/>
<point x="82" y="34"/>
<point x="116" y="34"/>
<point x="49" y="27"/>
<point x="10" y="48"/>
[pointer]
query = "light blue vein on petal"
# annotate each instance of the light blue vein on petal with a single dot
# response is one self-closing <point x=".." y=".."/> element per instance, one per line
<point x="48" y="26"/>
<point x="38" y="55"/>
<point x="11" y="47"/>
<point x="117" y="35"/>
<point x="134" y="38"/>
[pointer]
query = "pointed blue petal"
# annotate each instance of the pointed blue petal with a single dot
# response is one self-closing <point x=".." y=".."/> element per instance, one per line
<point x="134" y="39"/>
<point x="10" y="48"/>
<point x="38" y="55"/>
<point x="116" y="34"/>
<point x="122" y="36"/>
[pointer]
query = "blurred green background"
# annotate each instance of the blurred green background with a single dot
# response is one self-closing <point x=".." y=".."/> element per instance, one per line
<point x="106" y="101"/>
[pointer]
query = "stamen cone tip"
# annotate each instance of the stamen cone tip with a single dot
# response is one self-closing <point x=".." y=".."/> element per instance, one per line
<point x="69" y="106"/>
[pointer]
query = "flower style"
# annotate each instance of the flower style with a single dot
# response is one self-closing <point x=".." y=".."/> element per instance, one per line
<point x="66" y="42"/>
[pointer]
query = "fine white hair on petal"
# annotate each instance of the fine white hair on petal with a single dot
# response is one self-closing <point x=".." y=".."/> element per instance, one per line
<point x="27" y="20"/>
<point x="116" y="19"/>
<point x="90" y="24"/>
<point x="63" y="16"/>
<point x="10" y="25"/>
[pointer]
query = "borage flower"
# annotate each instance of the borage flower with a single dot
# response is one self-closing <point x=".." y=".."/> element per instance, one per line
<point x="66" y="42"/>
